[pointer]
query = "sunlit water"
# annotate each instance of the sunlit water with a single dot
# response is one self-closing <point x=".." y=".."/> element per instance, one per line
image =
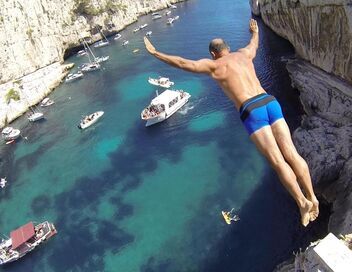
<point x="129" y="198"/>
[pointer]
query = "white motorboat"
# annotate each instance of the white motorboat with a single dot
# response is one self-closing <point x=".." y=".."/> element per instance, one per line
<point x="149" y="33"/>
<point x="46" y="102"/>
<point x="161" y="81"/>
<point x="155" y="13"/>
<point x="143" y="26"/>
<point x="91" y="67"/>
<point x="173" y="7"/>
<point x="3" y="182"/>
<point x="81" y="53"/>
<point x="136" y="29"/>
<point x="176" y="17"/>
<point x="35" y="116"/>
<point x="125" y="43"/>
<point x="117" y="36"/>
<point x="168" y="12"/>
<point x="156" y="17"/>
<point x="10" y="133"/>
<point x="164" y="105"/>
<point x="81" y="66"/>
<point x="101" y="43"/>
<point x="170" y="21"/>
<point x="90" y="119"/>
<point x="101" y="59"/>
<point x="75" y="76"/>
<point x="24" y="239"/>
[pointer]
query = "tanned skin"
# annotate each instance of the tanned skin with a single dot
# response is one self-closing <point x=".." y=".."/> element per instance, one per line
<point x="235" y="73"/>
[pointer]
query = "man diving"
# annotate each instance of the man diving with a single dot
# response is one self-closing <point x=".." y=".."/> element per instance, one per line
<point x="260" y="113"/>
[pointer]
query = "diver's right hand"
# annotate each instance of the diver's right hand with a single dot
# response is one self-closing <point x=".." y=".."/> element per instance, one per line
<point x="253" y="26"/>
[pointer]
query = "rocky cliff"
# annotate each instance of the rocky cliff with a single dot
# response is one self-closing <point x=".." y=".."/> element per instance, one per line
<point x="36" y="33"/>
<point x="320" y="30"/>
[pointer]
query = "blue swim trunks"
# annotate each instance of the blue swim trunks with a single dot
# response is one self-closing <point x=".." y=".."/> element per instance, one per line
<point x="259" y="111"/>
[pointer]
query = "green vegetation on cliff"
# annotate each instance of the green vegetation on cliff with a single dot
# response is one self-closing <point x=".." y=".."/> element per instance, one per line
<point x="86" y="8"/>
<point x="12" y="94"/>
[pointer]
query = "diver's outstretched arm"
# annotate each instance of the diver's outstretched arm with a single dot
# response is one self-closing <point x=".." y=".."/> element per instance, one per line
<point x="251" y="49"/>
<point x="205" y="66"/>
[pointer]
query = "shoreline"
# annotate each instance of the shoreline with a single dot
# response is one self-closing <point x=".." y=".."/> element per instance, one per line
<point x="36" y="85"/>
<point x="32" y="89"/>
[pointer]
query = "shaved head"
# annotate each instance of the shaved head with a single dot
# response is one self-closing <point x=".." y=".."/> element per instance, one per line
<point x="218" y="45"/>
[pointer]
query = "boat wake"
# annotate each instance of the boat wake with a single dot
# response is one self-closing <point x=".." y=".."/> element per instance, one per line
<point x="186" y="109"/>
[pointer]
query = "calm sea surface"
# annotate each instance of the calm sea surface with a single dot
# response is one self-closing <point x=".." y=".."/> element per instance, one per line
<point x="129" y="198"/>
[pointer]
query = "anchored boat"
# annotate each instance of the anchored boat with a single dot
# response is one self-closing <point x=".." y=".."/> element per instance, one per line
<point x="75" y="76"/>
<point x="101" y="59"/>
<point x="81" y="53"/>
<point x="117" y="36"/>
<point x="90" y="119"/>
<point x="35" y="116"/>
<point x="10" y="133"/>
<point x="91" y="67"/>
<point x="156" y="16"/>
<point x="46" y="102"/>
<point x="164" y="105"/>
<point x="170" y="21"/>
<point x="25" y="239"/>
<point x="161" y="81"/>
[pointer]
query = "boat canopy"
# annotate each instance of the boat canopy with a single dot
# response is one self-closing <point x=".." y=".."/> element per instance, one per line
<point x="22" y="235"/>
<point x="165" y="97"/>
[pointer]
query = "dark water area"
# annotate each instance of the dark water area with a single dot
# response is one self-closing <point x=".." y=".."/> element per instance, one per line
<point x="129" y="198"/>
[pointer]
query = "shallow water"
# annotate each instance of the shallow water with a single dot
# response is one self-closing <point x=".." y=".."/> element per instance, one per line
<point x="128" y="198"/>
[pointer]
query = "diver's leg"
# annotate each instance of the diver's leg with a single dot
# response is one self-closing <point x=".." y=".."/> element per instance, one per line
<point x="266" y="144"/>
<point x="283" y="138"/>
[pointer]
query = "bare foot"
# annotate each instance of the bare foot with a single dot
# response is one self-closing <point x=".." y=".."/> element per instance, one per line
<point x="314" y="212"/>
<point x="305" y="212"/>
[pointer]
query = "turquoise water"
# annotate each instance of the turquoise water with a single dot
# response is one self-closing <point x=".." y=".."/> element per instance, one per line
<point x="129" y="198"/>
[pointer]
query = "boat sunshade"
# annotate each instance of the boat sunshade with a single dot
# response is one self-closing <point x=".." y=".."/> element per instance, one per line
<point x="22" y="235"/>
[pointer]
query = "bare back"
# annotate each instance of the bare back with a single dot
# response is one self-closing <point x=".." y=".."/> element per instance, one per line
<point x="236" y="75"/>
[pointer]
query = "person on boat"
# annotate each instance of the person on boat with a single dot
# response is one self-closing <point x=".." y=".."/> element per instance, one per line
<point x="261" y="113"/>
<point x="229" y="217"/>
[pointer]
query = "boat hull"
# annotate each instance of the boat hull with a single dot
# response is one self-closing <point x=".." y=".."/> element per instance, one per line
<point x="164" y="116"/>
<point x="90" y="123"/>
<point x="36" y="117"/>
<point x="51" y="231"/>
<point x="13" y="135"/>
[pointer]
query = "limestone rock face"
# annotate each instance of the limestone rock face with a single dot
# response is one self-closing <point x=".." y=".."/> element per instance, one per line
<point x="36" y="33"/>
<point x="325" y="138"/>
<point x="320" y="30"/>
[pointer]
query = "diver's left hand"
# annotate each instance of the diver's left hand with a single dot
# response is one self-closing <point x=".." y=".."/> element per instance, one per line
<point x="150" y="48"/>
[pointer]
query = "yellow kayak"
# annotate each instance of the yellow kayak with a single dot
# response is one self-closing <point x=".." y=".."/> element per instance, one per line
<point x="226" y="217"/>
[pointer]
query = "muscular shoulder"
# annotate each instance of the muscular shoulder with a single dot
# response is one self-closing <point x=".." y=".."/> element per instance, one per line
<point x="205" y="66"/>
